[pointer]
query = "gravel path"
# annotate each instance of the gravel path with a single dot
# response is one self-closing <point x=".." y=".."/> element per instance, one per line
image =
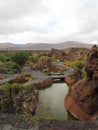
<point x="39" y="76"/>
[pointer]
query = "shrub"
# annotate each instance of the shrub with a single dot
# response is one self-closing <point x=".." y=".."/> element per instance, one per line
<point x="11" y="88"/>
<point x="68" y="63"/>
<point x="54" y="58"/>
<point x="83" y="75"/>
<point x="19" y="57"/>
<point x="77" y="63"/>
<point x="1" y="64"/>
<point x="35" y="57"/>
<point x="3" y="58"/>
<point x="12" y="65"/>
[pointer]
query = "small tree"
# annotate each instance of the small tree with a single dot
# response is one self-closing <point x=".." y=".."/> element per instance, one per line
<point x="19" y="57"/>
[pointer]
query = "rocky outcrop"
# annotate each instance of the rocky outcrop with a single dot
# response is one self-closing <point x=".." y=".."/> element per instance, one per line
<point x="57" y="53"/>
<point x="82" y="99"/>
<point x="44" y="83"/>
<point x="72" y="54"/>
<point x="74" y="77"/>
<point x="31" y="103"/>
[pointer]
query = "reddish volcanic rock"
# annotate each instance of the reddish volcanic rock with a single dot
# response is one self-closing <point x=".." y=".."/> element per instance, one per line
<point x="74" y="77"/>
<point x="20" y="79"/>
<point x="71" y="80"/>
<point x="43" y="84"/>
<point x="76" y="111"/>
<point x="86" y="95"/>
<point x="82" y="99"/>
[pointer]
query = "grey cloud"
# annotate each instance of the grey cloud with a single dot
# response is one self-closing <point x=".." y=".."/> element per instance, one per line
<point x="86" y="15"/>
<point x="12" y="9"/>
<point x="83" y="37"/>
<point x="10" y="27"/>
<point x="12" y="13"/>
<point x="18" y="26"/>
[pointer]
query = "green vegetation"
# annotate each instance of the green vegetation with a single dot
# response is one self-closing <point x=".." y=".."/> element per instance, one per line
<point x="10" y="91"/>
<point x="19" y="57"/>
<point x="3" y="58"/>
<point x="54" y="58"/>
<point x="83" y="75"/>
<point x="43" y="58"/>
<point x="12" y="96"/>
<point x="35" y="57"/>
<point x="1" y="64"/>
<point x="19" y="86"/>
<point x="12" y="65"/>
<point x="77" y="63"/>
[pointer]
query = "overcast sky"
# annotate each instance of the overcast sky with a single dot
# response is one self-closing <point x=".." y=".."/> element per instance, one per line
<point x="52" y="21"/>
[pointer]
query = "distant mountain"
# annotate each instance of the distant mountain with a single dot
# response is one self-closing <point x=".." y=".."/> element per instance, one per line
<point x="43" y="46"/>
<point x="5" y="45"/>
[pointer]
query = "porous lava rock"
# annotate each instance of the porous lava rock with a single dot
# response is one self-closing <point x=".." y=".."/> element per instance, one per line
<point x="82" y="98"/>
<point x="74" y="77"/>
<point x="43" y="84"/>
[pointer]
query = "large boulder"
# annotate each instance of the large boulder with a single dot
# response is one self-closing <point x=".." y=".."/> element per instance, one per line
<point x="82" y="99"/>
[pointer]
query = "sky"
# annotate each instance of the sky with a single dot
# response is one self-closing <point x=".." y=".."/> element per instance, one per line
<point x="48" y="21"/>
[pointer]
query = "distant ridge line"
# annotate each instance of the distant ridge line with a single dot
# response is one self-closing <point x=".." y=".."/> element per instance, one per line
<point x="44" y="46"/>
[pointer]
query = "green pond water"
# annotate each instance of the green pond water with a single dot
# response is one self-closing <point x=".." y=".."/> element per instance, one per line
<point x="51" y="102"/>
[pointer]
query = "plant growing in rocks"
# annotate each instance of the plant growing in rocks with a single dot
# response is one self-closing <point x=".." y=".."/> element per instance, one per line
<point x="35" y="57"/>
<point x="77" y="63"/>
<point x="17" y="98"/>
